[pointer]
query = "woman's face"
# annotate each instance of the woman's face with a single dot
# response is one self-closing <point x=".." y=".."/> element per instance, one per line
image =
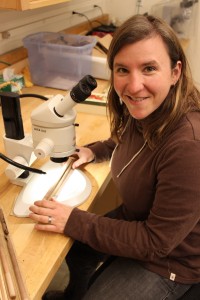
<point x="143" y="75"/>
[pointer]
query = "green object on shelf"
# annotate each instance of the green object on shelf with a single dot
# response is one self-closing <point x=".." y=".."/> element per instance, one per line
<point x="18" y="79"/>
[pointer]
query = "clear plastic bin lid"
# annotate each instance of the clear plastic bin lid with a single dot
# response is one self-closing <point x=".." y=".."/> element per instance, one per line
<point x="65" y="40"/>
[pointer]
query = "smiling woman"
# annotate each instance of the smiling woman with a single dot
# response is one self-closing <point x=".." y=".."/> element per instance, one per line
<point x="152" y="65"/>
<point x="154" y="145"/>
<point x="138" y="68"/>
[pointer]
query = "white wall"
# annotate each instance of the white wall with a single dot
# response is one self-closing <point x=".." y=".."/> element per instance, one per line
<point x="120" y="10"/>
<point x="14" y="25"/>
<point x="193" y="50"/>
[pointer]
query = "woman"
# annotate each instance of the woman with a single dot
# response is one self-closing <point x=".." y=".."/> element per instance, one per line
<point x="150" y="245"/>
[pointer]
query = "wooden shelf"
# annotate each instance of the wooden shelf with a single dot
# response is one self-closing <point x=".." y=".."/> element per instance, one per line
<point x="28" y="4"/>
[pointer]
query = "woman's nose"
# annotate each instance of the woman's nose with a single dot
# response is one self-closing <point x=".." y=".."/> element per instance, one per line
<point x="135" y="83"/>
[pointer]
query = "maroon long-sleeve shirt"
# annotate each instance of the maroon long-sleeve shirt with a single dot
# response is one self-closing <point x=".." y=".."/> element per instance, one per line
<point x="159" y="221"/>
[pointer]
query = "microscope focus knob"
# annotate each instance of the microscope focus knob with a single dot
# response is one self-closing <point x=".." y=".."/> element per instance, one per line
<point x="13" y="172"/>
<point x="44" y="148"/>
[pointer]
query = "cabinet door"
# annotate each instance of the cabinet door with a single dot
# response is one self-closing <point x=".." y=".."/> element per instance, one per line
<point x="27" y="4"/>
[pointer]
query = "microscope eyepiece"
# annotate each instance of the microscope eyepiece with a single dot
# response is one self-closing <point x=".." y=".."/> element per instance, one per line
<point x="83" y="89"/>
<point x="80" y="92"/>
<point x="89" y="81"/>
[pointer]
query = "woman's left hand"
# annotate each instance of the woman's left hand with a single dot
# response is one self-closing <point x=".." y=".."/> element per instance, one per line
<point x="50" y="215"/>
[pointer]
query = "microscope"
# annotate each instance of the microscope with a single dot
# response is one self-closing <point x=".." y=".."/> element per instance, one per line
<point x="53" y="135"/>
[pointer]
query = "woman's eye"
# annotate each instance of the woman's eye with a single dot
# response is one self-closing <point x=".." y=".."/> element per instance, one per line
<point x="121" y="70"/>
<point x="150" y="69"/>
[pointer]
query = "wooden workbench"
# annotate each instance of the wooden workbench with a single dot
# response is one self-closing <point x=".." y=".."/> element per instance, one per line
<point x="40" y="254"/>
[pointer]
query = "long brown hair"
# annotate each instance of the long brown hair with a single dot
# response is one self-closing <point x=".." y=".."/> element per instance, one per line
<point x="183" y="97"/>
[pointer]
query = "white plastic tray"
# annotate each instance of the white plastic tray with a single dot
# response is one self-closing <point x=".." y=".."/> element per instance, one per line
<point x="75" y="190"/>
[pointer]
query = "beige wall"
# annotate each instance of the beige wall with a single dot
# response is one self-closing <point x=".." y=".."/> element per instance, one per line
<point x="14" y="25"/>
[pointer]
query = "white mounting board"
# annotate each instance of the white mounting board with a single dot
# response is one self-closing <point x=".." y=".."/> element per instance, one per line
<point x="75" y="190"/>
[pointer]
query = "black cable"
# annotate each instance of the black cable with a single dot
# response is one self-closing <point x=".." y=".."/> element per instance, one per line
<point x="102" y="47"/>
<point x="102" y="29"/>
<point x="83" y="15"/>
<point x="33" y="95"/>
<point x="97" y="21"/>
<point x="14" y="163"/>
<point x="97" y="6"/>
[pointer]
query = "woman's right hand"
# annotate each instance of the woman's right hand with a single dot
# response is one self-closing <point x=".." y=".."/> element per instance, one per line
<point x="85" y="155"/>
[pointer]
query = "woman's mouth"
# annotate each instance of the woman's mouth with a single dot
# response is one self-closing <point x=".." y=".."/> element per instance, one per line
<point x="136" y="99"/>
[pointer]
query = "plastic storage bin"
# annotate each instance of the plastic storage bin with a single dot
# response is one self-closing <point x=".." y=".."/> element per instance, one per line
<point x="59" y="60"/>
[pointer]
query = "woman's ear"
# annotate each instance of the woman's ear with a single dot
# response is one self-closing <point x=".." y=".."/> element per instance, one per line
<point x="176" y="72"/>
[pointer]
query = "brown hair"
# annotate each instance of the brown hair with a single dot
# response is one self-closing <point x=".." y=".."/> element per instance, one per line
<point x="183" y="97"/>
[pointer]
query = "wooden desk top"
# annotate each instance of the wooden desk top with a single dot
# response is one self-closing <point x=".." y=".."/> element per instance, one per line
<point x="40" y="254"/>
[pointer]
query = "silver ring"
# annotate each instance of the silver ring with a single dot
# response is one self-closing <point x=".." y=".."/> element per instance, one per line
<point x="49" y="219"/>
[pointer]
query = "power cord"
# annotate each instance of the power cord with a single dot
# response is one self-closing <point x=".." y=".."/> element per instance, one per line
<point x="97" y="6"/>
<point x="34" y="96"/>
<point x="83" y="15"/>
<point x="18" y="165"/>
